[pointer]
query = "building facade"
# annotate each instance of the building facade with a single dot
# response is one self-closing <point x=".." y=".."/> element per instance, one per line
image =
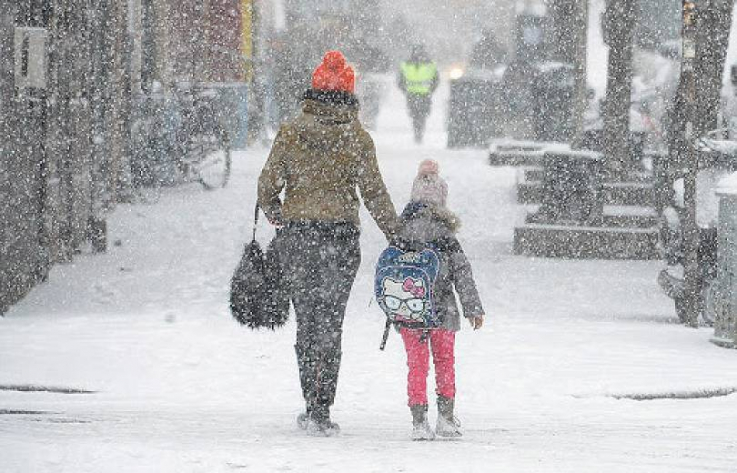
<point x="72" y="73"/>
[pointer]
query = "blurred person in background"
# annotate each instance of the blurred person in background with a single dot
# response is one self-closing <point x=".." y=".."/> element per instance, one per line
<point x="292" y="64"/>
<point x="487" y="53"/>
<point x="418" y="79"/>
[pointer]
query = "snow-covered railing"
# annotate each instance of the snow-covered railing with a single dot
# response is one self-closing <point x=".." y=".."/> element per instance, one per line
<point x="725" y="147"/>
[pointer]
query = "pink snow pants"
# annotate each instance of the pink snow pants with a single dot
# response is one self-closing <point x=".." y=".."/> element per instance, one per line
<point x="441" y="342"/>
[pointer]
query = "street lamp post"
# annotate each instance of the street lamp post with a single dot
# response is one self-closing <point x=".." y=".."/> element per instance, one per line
<point x="581" y="90"/>
<point x="619" y="25"/>
<point x="690" y="166"/>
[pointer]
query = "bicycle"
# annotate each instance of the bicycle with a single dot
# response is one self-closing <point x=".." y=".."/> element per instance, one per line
<point x="205" y="153"/>
<point x="179" y="137"/>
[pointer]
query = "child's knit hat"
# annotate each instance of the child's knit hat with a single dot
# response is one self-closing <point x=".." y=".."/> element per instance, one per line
<point x="428" y="186"/>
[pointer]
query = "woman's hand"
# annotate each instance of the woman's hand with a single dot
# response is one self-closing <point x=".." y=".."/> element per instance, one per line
<point x="477" y="322"/>
<point x="276" y="221"/>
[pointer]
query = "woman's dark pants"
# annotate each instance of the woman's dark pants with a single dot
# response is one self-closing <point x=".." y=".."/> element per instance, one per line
<point x="321" y="264"/>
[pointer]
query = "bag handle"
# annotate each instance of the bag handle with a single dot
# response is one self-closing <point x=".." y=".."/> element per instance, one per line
<point x="255" y="221"/>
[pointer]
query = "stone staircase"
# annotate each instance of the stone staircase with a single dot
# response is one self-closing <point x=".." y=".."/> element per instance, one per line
<point x="572" y="212"/>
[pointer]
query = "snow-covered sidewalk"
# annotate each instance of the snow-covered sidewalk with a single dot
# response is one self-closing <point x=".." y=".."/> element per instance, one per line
<point x="178" y="386"/>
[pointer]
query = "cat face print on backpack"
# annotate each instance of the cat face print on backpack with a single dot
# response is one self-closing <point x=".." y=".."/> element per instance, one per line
<point x="406" y="299"/>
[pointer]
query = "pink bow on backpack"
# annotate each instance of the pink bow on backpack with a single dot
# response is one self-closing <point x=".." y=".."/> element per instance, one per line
<point x="414" y="288"/>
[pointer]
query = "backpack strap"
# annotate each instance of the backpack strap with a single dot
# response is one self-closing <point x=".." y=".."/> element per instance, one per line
<point x="385" y="337"/>
<point x="255" y="221"/>
<point x="386" y="334"/>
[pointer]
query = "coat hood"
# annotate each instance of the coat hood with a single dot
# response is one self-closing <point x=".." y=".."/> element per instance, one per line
<point x="329" y="121"/>
<point x="330" y="107"/>
<point x="428" y="222"/>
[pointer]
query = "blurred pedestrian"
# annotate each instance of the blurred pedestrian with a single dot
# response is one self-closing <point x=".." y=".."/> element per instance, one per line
<point x="291" y="68"/>
<point x="487" y="53"/>
<point x="418" y="79"/>
<point x="322" y="159"/>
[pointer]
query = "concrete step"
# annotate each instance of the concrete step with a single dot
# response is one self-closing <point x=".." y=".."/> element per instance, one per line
<point x="532" y="173"/>
<point x="580" y="242"/>
<point x="629" y="193"/>
<point x="619" y="193"/>
<point x="616" y="216"/>
<point x="515" y="158"/>
<point x="630" y="221"/>
<point x="521" y="153"/>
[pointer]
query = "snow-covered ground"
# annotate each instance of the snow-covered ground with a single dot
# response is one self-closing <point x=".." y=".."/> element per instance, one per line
<point x="179" y="386"/>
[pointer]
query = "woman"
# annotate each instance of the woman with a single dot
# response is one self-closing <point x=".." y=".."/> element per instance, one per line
<point x="320" y="159"/>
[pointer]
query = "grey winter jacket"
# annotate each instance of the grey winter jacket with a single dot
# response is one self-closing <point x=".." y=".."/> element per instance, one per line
<point x="429" y="223"/>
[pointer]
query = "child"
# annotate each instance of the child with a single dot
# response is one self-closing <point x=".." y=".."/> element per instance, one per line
<point x="427" y="219"/>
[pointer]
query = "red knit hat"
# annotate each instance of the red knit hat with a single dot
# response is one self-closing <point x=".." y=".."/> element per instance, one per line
<point x="334" y="74"/>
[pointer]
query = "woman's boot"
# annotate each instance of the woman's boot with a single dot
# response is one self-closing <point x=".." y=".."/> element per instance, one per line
<point x="303" y="419"/>
<point x="307" y="381"/>
<point x="319" y="423"/>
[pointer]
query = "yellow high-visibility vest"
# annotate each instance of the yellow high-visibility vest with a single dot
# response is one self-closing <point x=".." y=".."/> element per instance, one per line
<point x="419" y="77"/>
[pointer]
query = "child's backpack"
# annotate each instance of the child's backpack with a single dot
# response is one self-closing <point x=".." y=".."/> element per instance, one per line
<point x="405" y="285"/>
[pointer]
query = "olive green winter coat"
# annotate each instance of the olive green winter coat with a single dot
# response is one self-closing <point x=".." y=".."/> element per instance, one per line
<point x="321" y="160"/>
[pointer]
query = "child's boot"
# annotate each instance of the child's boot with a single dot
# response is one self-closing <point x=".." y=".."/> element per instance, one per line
<point x="448" y="426"/>
<point x="420" y="426"/>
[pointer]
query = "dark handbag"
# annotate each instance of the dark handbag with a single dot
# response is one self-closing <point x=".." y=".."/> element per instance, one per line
<point x="258" y="295"/>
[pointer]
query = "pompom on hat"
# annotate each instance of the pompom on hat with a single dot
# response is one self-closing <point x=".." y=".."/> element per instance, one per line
<point x="334" y="74"/>
<point x="428" y="187"/>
